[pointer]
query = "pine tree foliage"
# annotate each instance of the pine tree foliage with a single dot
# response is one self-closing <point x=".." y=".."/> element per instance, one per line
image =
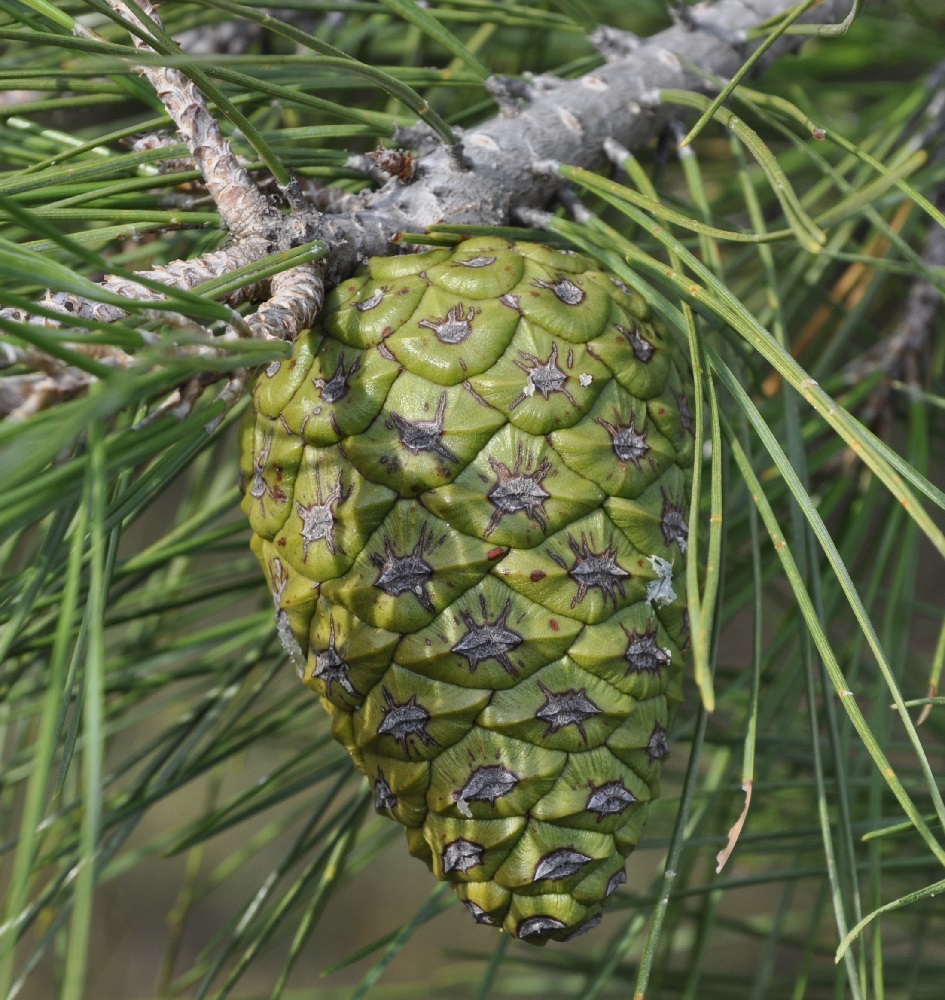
<point x="175" y="819"/>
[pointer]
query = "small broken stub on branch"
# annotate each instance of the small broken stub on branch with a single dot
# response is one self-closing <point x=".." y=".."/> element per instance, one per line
<point x="399" y="163"/>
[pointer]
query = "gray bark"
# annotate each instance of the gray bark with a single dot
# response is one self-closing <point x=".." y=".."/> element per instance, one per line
<point x="568" y="123"/>
<point x="493" y="174"/>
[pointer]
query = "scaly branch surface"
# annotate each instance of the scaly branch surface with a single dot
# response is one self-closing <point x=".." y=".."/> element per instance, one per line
<point x="492" y="177"/>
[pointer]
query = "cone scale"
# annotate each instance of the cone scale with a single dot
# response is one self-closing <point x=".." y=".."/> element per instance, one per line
<point x="468" y="490"/>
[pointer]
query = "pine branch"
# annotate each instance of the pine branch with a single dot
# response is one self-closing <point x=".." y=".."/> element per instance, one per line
<point x="491" y="175"/>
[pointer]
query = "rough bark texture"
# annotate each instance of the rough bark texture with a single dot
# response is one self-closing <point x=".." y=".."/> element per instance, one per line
<point x="244" y="210"/>
<point x="569" y="123"/>
<point x="497" y="174"/>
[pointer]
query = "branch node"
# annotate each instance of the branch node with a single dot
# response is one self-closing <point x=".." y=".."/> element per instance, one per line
<point x="702" y="17"/>
<point x="511" y="93"/>
<point x="420" y="137"/>
<point x="457" y="154"/>
<point x="614" y="44"/>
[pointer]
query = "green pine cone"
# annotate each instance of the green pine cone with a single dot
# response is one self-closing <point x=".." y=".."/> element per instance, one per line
<point x="468" y="490"/>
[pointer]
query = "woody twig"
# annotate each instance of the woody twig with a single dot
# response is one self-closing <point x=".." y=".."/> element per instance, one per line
<point x="485" y="178"/>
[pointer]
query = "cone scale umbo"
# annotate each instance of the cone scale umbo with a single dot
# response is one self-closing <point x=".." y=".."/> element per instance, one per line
<point x="468" y="490"/>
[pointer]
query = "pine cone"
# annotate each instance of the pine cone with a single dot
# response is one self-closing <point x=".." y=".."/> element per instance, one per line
<point x="468" y="490"/>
